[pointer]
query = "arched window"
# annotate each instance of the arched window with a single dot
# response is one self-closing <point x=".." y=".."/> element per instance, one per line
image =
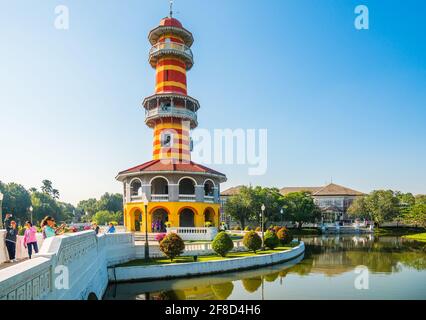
<point x="186" y="186"/>
<point x="159" y="185"/>
<point x="208" y="188"/>
<point x="136" y="188"/>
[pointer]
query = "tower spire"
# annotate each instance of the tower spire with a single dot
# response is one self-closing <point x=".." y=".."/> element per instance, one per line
<point x="171" y="8"/>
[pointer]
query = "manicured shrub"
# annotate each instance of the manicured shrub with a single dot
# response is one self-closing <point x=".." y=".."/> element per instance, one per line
<point x="247" y="228"/>
<point x="276" y="229"/>
<point x="252" y="241"/>
<point x="237" y="228"/>
<point x="222" y="244"/>
<point x="172" y="246"/>
<point x="208" y="224"/>
<point x="271" y="240"/>
<point x="258" y="229"/>
<point x="284" y="236"/>
<point x="168" y="224"/>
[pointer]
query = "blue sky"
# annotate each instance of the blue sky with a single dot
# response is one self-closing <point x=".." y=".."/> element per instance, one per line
<point x="337" y="102"/>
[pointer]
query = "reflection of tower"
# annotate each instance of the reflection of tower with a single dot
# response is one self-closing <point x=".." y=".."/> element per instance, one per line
<point x="180" y="192"/>
<point x="170" y="111"/>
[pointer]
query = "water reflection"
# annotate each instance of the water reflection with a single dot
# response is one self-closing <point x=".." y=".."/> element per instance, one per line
<point x="325" y="257"/>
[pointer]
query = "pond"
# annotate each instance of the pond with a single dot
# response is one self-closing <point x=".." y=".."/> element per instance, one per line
<point x="333" y="267"/>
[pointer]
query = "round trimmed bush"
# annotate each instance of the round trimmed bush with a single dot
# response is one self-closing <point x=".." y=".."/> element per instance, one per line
<point x="258" y="229"/>
<point x="247" y="228"/>
<point x="284" y="236"/>
<point x="252" y="241"/>
<point x="222" y="244"/>
<point x="172" y="246"/>
<point x="276" y="229"/>
<point x="271" y="240"/>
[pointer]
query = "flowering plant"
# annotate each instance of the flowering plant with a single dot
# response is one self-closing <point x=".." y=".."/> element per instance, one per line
<point x="160" y="236"/>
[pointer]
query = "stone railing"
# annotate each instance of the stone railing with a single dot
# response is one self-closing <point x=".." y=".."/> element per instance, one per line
<point x="187" y="197"/>
<point x="192" y="234"/>
<point x="159" y="197"/>
<point x="68" y="267"/>
<point x="3" y="252"/>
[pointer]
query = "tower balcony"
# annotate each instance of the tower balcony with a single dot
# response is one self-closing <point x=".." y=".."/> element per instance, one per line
<point x="162" y="49"/>
<point x="165" y="105"/>
<point x="170" y="111"/>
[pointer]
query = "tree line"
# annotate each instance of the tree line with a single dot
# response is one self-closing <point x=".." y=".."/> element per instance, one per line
<point x="245" y="207"/>
<point x="299" y="207"/>
<point x="45" y="202"/>
<point x="387" y="205"/>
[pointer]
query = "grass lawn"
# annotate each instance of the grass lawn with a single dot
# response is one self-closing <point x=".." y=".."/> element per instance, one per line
<point x="213" y="257"/>
<point x="418" y="237"/>
<point x="395" y="231"/>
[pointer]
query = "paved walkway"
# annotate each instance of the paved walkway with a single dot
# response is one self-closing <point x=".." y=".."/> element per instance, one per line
<point x="7" y="265"/>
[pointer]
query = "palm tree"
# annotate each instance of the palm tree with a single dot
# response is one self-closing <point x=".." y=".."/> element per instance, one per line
<point x="55" y="194"/>
<point x="47" y="186"/>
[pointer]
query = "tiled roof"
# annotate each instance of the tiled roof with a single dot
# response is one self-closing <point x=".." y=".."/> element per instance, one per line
<point x="337" y="190"/>
<point x="231" y="191"/>
<point x="288" y="190"/>
<point x="162" y="165"/>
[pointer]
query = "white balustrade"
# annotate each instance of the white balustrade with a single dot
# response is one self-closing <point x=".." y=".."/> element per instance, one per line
<point x="191" y="234"/>
<point x="187" y="197"/>
<point x="159" y="197"/>
<point x="209" y="199"/>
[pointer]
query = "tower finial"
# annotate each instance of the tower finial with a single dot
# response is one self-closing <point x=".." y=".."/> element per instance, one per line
<point x="171" y="8"/>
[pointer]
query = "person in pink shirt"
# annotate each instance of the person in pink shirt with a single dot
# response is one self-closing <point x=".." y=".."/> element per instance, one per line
<point x="30" y="239"/>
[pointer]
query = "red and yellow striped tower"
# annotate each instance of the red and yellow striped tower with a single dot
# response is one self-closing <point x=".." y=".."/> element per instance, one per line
<point x="170" y="111"/>
<point x="170" y="190"/>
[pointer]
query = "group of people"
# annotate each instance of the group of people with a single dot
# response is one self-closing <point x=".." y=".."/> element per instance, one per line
<point x="158" y="226"/>
<point x="48" y="228"/>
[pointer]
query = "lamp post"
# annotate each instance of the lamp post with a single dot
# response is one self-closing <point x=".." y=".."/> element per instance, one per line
<point x="282" y="217"/>
<point x="31" y="214"/>
<point x="262" y="221"/>
<point x="1" y="211"/>
<point x="145" y="202"/>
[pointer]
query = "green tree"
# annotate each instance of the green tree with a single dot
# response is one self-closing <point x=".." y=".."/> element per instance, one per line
<point x="44" y="205"/>
<point x="416" y="215"/>
<point x="380" y="206"/>
<point x="110" y="202"/>
<point x="240" y="206"/>
<point x="16" y="200"/>
<point x="359" y="208"/>
<point x="105" y="217"/>
<point x="47" y="186"/>
<point x="421" y="198"/>
<point x="90" y="206"/>
<point x="300" y="208"/>
<point x="383" y="206"/>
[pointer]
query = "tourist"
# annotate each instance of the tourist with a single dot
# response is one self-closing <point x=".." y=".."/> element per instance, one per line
<point x="30" y="238"/>
<point x="111" y="228"/>
<point x="11" y="236"/>
<point x="7" y="220"/>
<point x="49" y="228"/>
<point x="95" y="227"/>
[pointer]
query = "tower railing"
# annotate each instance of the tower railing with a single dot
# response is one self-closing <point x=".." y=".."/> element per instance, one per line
<point x="171" y="111"/>
<point x="172" y="46"/>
